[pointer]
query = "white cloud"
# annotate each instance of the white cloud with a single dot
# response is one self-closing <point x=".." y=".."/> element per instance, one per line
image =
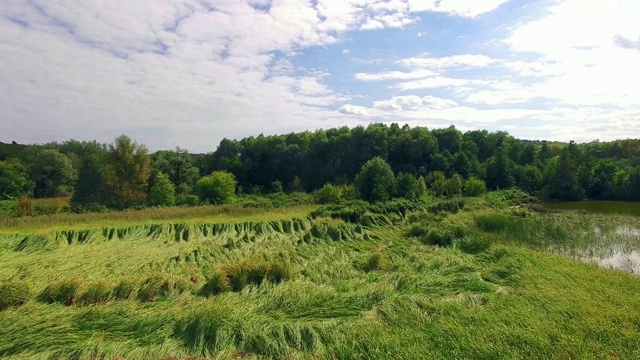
<point x="448" y="62"/>
<point x="465" y="8"/>
<point x="354" y="110"/>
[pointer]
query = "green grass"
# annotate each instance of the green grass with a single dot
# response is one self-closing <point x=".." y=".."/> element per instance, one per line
<point x="278" y="284"/>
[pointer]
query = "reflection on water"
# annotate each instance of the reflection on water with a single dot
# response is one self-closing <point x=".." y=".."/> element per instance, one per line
<point x="617" y="250"/>
<point x="603" y="207"/>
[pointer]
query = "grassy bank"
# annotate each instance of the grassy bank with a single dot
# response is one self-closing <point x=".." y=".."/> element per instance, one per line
<point x="470" y="279"/>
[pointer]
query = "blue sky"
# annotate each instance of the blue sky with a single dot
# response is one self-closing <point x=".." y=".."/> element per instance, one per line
<point x="188" y="73"/>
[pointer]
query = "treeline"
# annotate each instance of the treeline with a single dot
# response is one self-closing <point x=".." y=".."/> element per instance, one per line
<point x="123" y="174"/>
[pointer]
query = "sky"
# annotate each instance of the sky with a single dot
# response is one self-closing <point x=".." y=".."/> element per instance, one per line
<point x="188" y="73"/>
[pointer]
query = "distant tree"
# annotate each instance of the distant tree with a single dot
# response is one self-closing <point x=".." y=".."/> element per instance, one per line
<point x="474" y="187"/>
<point x="563" y="174"/>
<point x="14" y="179"/>
<point x="276" y="187"/>
<point x="407" y="186"/>
<point x="375" y="181"/>
<point x="126" y="173"/>
<point x="528" y="178"/>
<point x="89" y="188"/>
<point x="162" y="192"/>
<point x="217" y="188"/>
<point x="437" y="182"/>
<point x="500" y="171"/>
<point x="296" y="185"/>
<point x="53" y="174"/>
<point x="453" y="186"/>
<point x="179" y="166"/>
<point x="327" y="194"/>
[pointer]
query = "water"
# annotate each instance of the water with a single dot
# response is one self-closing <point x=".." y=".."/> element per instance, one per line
<point x="605" y="207"/>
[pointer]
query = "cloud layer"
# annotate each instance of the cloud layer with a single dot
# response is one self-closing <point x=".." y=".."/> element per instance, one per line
<point x="189" y="72"/>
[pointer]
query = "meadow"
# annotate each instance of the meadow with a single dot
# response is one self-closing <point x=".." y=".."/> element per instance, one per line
<point x="468" y="278"/>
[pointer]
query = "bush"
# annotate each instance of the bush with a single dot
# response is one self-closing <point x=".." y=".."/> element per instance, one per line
<point x="217" y="188"/>
<point x="24" y="206"/>
<point x="474" y="187"/>
<point x="62" y="291"/>
<point x="188" y="200"/>
<point x="13" y="294"/>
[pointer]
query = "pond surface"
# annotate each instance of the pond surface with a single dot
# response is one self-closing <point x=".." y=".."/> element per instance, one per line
<point x="605" y="207"/>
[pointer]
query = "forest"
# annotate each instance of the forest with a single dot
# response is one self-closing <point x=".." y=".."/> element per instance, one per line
<point x="444" y="161"/>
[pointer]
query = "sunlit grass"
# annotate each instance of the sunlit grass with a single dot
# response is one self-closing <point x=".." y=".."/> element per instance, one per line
<point x="277" y="284"/>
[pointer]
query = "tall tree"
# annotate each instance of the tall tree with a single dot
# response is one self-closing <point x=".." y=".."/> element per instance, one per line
<point x="14" y="180"/>
<point x="53" y="174"/>
<point x="126" y="173"/>
<point x="375" y="181"/>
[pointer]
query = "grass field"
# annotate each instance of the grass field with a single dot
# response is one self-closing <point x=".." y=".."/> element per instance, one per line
<point x="485" y="282"/>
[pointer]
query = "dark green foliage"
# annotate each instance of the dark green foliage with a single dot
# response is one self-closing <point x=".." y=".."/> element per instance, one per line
<point x="500" y="170"/>
<point x="179" y="167"/>
<point x="407" y="186"/>
<point x="351" y="211"/>
<point x="14" y="179"/>
<point x="331" y="194"/>
<point x="276" y="187"/>
<point x="14" y="294"/>
<point x="53" y="174"/>
<point x="65" y="292"/>
<point x="217" y="188"/>
<point x="162" y="192"/>
<point x="375" y="181"/>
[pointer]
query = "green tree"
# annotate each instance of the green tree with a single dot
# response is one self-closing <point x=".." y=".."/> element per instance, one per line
<point x="407" y="186"/>
<point x="563" y="174"/>
<point x="454" y="185"/>
<point x="126" y="173"/>
<point x="14" y="180"/>
<point x="162" y="192"/>
<point x="53" y="174"/>
<point x="474" y="187"/>
<point x="375" y="181"/>
<point x="179" y="166"/>
<point x="217" y="188"/>
<point x="500" y="171"/>
<point x="437" y="182"/>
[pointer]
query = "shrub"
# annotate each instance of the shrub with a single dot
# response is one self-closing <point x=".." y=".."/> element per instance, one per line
<point x="24" y="206"/>
<point x="474" y="187"/>
<point x="217" y="188"/>
<point x="62" y="291"/>
<point x="14" y="294"/>
<point x="187" y="199"/>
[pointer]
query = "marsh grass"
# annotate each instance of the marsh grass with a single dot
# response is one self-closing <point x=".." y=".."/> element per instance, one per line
<point x="14" y="293"/>
<point x="266" y="286"/>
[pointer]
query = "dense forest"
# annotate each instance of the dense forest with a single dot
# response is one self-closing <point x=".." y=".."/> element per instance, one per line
<point x="402" y="161"/>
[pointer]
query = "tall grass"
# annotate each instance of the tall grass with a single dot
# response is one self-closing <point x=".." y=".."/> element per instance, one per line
<point x="265" y="286"/>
